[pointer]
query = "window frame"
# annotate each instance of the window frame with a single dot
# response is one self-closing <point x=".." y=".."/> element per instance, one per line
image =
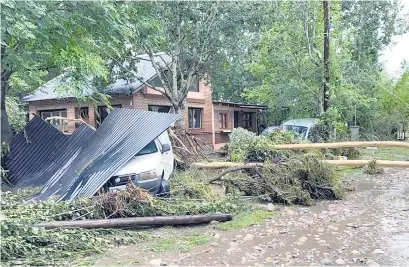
<point x="200" y="116"/>
<point x="223" y="120"/>
<point x="247" y="122"/>
<point x="59" y="126"/>
<point x="159" y="106"/>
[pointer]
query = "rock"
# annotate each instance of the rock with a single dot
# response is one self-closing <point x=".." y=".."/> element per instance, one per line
<point x="214" y="244"/>
<point x="320" y="230"/>
<point x="325" y="261"/>
<point x="302" y="239"/>
<point x="340" y="261"/>
<point x="322" y="242"/>
<point x="233" y="244"/>
<point x="378" y="251"/>
<point x="214" y="222"/>
<point x="269" y="260"/>
<point x="283" y="231"/>
<point x="372" y="263"/>
<point x="239" y="236"/>
<point x="217" y="236"/>
<point x="355" y="252"/>
<point x="257" y="248"/>
<point x="155" y="262"/>
<point x="290" y="212"/>
<point x="352" y="225"/>
<point x="248" y="237"/>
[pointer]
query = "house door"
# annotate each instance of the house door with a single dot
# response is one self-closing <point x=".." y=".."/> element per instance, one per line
<point x="236" y="119"/>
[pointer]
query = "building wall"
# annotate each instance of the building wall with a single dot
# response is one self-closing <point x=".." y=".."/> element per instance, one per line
<point x="140" y="100"/>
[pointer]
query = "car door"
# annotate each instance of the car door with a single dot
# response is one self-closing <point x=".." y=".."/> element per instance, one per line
<point x="167" y="159"/>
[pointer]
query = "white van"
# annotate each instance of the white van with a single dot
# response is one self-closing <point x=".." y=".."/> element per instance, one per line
<point x="301" y="126"/>
<point x="149" y="169"/>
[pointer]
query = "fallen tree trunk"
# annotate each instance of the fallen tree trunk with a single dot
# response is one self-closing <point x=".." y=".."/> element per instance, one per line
<point x="342" y="145"/>
<point x="137" y="221"/>
<point x="381" y="163"/>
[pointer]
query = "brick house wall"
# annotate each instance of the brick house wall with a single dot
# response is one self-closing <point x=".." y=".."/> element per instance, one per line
<point x="139" y="100"/>
<point x="209" y="131"/>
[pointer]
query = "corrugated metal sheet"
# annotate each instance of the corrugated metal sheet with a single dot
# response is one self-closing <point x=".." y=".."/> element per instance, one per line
<point x="38" y="148"/>
<point x="32" y="149"/>
<point x="121" y="135"/>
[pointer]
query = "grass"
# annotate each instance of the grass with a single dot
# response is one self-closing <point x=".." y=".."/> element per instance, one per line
<point x="244" y="220"/>
<point x="386" y="153"/>
<point x="181" y="244"/>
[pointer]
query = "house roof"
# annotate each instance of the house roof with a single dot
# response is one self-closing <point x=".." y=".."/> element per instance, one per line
<point x="144" y="70"/>
<point x="240" y="105"/>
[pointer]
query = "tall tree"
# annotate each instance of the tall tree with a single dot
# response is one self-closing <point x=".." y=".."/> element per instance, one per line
<point x="191" y="37"/>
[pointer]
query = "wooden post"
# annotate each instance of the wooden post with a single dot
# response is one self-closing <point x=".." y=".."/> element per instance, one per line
<point x="137" y="221"/>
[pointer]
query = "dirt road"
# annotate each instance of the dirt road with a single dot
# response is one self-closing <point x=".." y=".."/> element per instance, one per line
<point x="369" y="227"/>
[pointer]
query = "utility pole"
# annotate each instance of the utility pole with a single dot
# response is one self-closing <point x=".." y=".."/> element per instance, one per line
<point x="326" y="56"/>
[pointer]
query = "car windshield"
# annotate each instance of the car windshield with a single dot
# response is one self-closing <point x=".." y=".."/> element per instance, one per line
<point x="302" y="130"/>
<point x="148" y="149"/>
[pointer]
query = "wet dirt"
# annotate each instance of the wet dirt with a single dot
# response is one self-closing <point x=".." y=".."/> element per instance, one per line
<point x="369" y="227"/>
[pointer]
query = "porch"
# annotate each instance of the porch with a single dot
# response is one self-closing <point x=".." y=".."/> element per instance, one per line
<point x="228" y="115"/>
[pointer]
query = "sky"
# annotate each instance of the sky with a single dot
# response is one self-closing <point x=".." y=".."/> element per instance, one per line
<point x="396" y="52"/>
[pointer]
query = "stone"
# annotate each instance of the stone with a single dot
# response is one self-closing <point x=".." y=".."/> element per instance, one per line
<point x="372" y="263"/>
<point x="257" y="248"/>
<point x="302" y="239"/>
<point x="322" y="242"/>
<point x="233" y="244"/>
<point x="214" y="244"/>
<point x="248" y="237"/>
<point x="155" y="262"/>
<point x="214" y="222"/>
<point x="239" y="236"/>
<point x="217" y="236"/>
<point x="352" y="225"/>
<point x="269" y="260"/>
<point x="340" y="261"/>
<point x="355" y="252"/>
<point x="290" y="212"/>
<point x="325" y="261"/>
<point x="378" y="251"/>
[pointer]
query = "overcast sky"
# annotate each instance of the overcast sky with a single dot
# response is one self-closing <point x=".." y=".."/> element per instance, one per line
<point x="395" y="53"/>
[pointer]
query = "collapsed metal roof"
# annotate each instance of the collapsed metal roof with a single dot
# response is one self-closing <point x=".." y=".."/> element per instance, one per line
<point x="80" y="164"/>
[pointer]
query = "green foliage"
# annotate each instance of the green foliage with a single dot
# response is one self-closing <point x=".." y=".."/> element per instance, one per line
<point x="17" y="114"/>
<point x="372" y="168"/>
<point x="247" y="146"/>
<point x="191" y="183"/>
<point x="179" y="244"/>
<point x="247" y="219"/>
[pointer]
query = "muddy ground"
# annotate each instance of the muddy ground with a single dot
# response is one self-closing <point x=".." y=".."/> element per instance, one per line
<point x="369" y="227"/>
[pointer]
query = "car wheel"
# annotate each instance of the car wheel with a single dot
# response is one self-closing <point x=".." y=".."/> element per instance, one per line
<point x="164" y="190"/>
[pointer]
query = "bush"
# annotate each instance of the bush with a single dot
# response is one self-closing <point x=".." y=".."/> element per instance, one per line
<point x="247" y="146"/>
<point x="16" y="114"/>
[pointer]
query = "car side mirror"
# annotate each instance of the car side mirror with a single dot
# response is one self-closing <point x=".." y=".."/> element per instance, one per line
<point x="165" y="148"/>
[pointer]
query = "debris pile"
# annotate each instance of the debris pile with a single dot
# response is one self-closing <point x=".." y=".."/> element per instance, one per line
<point x="297" y="180"/>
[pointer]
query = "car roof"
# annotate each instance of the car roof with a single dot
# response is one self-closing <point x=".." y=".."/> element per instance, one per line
<point x="302" y="122"/>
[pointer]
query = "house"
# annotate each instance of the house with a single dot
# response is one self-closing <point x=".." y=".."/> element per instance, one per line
<point x="208" y="120"/>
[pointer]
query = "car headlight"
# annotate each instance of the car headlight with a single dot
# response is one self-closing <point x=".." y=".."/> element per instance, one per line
<point x="148" y="175"/>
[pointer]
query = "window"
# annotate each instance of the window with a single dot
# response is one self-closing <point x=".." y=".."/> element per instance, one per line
<point x="247" y="120"/>
<point x="195" y="117"/>
<point x="223" y="121"/>
<point x="148" y="149"/>
<point x="59" y="124"/>
<point x="103" y="112"/>
<point x="83" y="114"/>
<point x="160" y="109"/>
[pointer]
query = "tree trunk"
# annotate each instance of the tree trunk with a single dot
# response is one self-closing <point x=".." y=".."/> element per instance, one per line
<point x="137" y="222"/>
<point x="6" y="132"/>
<point x="180" y="124"/>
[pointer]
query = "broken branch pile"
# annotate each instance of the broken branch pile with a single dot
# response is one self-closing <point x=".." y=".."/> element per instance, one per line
<point x="297" y="181"/>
